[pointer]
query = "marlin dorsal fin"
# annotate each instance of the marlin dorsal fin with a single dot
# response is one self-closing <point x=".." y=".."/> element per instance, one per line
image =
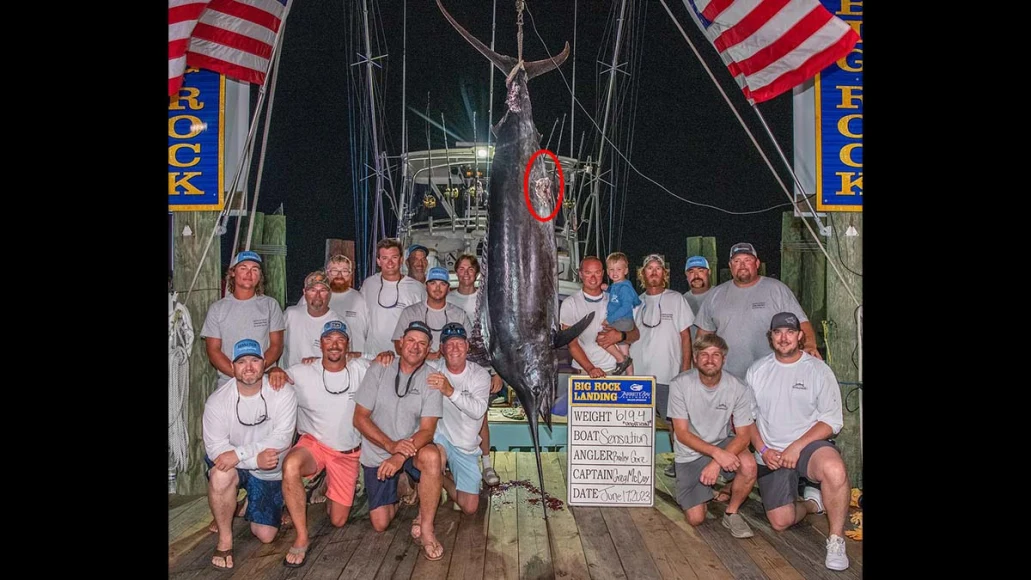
<point x="564" y="337"/>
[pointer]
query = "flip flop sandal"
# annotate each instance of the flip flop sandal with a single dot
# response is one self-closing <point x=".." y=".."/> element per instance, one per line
<point x="297" y="552"/>
<point x="225" y="555"/>
<point x="432" y="546"/>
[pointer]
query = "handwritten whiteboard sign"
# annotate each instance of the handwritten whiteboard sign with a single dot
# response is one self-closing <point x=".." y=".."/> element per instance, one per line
<point x="611" y="441"/>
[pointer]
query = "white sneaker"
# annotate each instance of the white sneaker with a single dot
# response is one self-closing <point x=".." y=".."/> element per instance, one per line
<point x="490" y="477"/>
<point x="813" y="494"/>
<point x="836" y="558"/>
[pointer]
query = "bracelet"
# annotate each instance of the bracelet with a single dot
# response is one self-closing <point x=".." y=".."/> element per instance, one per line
<point x="763" y="450"/>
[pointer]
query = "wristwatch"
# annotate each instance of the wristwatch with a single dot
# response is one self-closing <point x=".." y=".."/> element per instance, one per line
<point x="623" y="334"/>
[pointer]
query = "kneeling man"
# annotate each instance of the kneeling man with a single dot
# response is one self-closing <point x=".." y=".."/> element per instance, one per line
<point x="798" y="410"/>
<point x="466" y="388"/>
<point x="396" y="413"/>
<point x="701" y="403"/>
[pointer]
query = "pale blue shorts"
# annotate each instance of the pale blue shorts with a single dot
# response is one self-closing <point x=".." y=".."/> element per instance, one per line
<point x="465" y="467"/>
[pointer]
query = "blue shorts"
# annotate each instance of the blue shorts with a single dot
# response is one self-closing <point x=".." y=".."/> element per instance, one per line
<point x="465" y="467"/>
<point x="384" y="492"/>
<point x="264" y="497"/>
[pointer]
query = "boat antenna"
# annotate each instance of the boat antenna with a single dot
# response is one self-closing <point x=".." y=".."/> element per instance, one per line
<point x="447" y="155"/>
<point x="572" y="92"/>
<point x="490" y="99"/>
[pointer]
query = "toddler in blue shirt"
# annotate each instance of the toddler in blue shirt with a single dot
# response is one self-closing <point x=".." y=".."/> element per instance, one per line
<point x="620" y="314"/>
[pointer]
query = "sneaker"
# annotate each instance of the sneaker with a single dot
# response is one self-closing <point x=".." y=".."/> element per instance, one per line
<point x="836" y="558"/>
<point x="739" y="527"/>
<point x="490" y="477"/>
<point x="813" y="494"/>
<point x="623" y="366"/>
<point x="671" y="470"/>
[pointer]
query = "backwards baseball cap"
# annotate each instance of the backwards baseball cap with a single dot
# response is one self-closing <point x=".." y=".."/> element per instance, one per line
<point x="334" y="326"/>
<point x="315" y="278"/>
<point x="654" y="258"/>
<point x="420" y="326"/>
<point x="244" y="256"/>
<point x="247" y="347"/>
<point x="416" y="247"/>
<point x="696" y="262"/>
<point x="438" y="273"/>
<point x="452" y="330"/>
<point x="785" y="320"/>
<point x="742" y="248"/>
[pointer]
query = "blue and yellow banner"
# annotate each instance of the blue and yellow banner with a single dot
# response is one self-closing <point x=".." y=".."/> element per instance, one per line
<point x="839" y="121"/>
<point x="196" y="142"/>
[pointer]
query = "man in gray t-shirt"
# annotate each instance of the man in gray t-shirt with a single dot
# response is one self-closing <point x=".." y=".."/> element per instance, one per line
<point x="244" y="312"/>
<point x="701" y="403"/>
<point x="696" y="270"/>
<point x="396" y="413"/>
<point x="740" y="310"/>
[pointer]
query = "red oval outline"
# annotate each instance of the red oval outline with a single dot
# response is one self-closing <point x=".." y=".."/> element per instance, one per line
<point x="526" y="186"/>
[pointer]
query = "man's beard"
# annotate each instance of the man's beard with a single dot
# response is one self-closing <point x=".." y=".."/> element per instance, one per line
<point x="339" y="285"/>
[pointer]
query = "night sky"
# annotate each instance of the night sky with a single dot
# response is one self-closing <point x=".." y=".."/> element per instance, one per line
<point x="684" y="135"/>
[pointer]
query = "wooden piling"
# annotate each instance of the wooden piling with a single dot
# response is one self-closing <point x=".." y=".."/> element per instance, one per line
<point x="206" y="291"/>
<point x="273" y="248"/>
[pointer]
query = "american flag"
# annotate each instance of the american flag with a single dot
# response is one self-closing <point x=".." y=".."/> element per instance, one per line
<point x="232" y="37"/>
<point x="771" y="46"/>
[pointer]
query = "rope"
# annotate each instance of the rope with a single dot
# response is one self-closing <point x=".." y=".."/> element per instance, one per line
<point x="180" y="340"/>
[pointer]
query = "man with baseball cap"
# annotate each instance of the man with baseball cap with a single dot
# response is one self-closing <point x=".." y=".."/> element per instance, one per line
<point x="386" y="294"/>
<point x="797" y="411"/>
<point x="247" y="427"/>
<point x="305" y="323"/>
<point x="696" y="270"/>
<point x="328" y="439"/>
<point x="417" y="262"/>
<point x="435" y="311"/>
<point x="466" y="388"/>
<point x="739" y="310"/>
<point x="244" y="312"/>
<point x="348" y="303"/>
<point x="397" y="413"/>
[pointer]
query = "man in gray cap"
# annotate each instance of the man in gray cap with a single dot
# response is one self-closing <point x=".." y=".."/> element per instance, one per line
<point x="797" y="411"/>
<point x="417" y="262"/>
<point x="397" y="413"/>
<point x="740" y="309"/>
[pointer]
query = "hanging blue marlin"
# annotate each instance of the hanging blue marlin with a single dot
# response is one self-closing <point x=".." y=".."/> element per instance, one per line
<point x="518" y="312"/>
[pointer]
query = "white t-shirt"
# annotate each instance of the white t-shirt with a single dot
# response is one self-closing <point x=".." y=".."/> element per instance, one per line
<point x="659" y="351"/>
<point x="466" y="302"/>
<point x="435" y="319"/>
<point x="791" y="398"/>
<point x="350" y="305"/>
<point x="708" y="410"/>
<point x="385" y="303"/>
<point x="572" y="310"/>
<point x="303" y="334"/>
<point x="223" y="428"/>
<point x="232" y="320"/>
<point x="464" y="409"/>
<point x="328" y="416"/>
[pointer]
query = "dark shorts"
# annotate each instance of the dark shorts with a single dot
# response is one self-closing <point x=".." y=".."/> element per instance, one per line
<point x="384" y="492"/>
<point x="779" y="487"/>
<point x="691" y="491"/>
<point x="662" y="401"/>
<point x="264" y="497"/>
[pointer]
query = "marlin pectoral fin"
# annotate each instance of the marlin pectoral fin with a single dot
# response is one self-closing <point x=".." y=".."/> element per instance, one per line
<point x="564" y="337"/>
<point x="539" y="67"/>
<point x="505" y="63"/>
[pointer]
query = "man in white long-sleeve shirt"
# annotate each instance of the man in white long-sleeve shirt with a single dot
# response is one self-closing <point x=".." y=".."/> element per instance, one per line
<point x="328" y="440"/>
<point x="247" y="428"/>
<point x="798" y="409"/>
<point x="465" y="388"/>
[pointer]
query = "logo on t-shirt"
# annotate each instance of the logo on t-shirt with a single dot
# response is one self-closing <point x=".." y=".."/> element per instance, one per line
<point x="758" y="305"/>
<point x="721" y="407"/>
<point x="258" y="323"/>
<point x="800" y="386"/>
